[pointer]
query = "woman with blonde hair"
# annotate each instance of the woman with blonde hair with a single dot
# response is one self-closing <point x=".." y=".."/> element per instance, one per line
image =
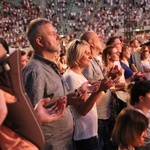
<point x="85" y="115"/>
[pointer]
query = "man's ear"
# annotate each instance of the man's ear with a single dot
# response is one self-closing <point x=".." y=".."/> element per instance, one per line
<point x="39" y="41"/>
<point x="141" y="99"/>
<point x="91" y="43"/>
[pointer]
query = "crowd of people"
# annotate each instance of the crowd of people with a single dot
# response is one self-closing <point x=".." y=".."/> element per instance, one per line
<point x="90" y="102"/>
<point x="90" y="93"/>
<point x="70" y="18"/>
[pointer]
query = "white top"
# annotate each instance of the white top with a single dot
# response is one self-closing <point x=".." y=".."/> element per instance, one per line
<point x="121" y="94"/>
<point x="146" y="67"/>
<point x="85" y="126"/>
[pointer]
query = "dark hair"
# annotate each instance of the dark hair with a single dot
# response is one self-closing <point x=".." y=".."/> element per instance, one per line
<point x="111" y="40"/>
<point x="22" y="52"/>
<point x="5" y="45"/>
<point x="144" y="48"/>
<point x="62" y="54"/>
<point x="124" y="48"/>
<point x="140" y="88"/>
<point x="143" y="53"/>
<point x="30" y="53"/>
<point x="61" y="57"/>
<point x="106" y="51"/>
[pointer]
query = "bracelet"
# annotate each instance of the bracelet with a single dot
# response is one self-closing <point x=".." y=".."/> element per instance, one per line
<point x="77" y="93"/>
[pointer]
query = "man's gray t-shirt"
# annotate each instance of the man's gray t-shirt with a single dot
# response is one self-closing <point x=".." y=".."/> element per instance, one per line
<point x="42" y="79"/>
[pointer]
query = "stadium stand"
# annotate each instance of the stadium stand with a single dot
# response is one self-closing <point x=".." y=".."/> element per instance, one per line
<point x="70" y="17"/>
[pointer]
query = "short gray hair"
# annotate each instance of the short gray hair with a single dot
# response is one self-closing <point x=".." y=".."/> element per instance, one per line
<point x="33" y="29"/>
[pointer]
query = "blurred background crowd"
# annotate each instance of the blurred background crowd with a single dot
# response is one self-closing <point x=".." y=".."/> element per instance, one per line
<point x="73" y="17"/>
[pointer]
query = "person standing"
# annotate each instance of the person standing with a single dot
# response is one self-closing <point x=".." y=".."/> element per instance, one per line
<point x="42" y="79"/>
<point x="119" y="95"/>
<point x="17" y="111"/>
<point x="135" y="59"/>
<point x="94" y="72"/>
<point x="145" y="64"/>
<point x="130" y="76"/>
<point x="85" y="114"/>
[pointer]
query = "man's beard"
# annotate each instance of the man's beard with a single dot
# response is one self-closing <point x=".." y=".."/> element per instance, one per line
<point x="54" y="50"/>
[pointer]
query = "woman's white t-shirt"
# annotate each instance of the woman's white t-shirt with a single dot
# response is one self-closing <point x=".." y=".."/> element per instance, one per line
<point x="85" y="126"/>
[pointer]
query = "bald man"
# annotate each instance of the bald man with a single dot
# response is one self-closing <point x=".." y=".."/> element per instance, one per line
<point x="94" y="73"/>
